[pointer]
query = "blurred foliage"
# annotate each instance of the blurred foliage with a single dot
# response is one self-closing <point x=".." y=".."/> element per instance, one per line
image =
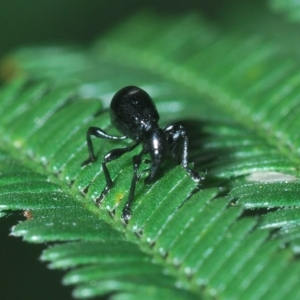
<point x="68" y="21"/>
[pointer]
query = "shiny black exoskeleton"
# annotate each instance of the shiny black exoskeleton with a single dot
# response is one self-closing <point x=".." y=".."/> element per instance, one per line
<point x="134" y="114"/>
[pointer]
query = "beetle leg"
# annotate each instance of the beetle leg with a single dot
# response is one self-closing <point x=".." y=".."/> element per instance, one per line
<point x="99" y="133"/>
<point x="126" y="214"/>
<point x="174" y="133"/>
<point x="111" y="155"/>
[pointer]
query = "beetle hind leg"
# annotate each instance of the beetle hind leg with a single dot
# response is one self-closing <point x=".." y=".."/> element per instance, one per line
<point x="99" y="133"/>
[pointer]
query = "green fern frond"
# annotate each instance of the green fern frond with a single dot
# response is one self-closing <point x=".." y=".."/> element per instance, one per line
<point x="233" y="91"/>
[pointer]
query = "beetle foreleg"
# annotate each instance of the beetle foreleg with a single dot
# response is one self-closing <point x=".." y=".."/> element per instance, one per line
<point x="175" y="132"/>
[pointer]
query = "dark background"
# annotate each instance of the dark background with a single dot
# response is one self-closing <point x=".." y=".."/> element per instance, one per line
<point x="33" y="22"/>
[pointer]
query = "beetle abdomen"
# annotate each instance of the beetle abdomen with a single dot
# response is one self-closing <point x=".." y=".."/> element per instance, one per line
<point x="132" y="108"/>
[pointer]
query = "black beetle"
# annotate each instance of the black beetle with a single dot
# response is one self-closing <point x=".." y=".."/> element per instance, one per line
<point x="134" y="114"/>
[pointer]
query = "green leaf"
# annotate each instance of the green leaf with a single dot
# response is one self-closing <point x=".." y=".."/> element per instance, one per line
<point x="235" y="91"/>
<point x="290" y="7"/>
